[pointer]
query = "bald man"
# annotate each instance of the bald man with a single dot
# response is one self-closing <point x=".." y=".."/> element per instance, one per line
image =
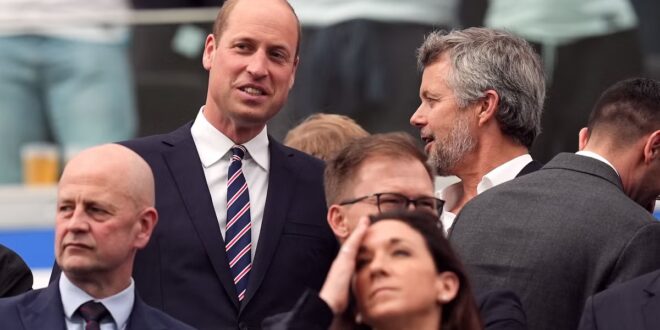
<point x="105" y="213"/>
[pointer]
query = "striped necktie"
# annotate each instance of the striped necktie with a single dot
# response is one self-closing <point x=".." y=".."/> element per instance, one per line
<point x="238" y="240"/>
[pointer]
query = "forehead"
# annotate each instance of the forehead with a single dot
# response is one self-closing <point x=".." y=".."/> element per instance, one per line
<point x="92" y="187"/>
<point x="271" y="21"/>
<point x="384" y="232"/>
<point x="435" y="75"/>
<point x="407" y="176"/>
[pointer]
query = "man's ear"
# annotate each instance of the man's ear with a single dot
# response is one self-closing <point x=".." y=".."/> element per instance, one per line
<point x="295" y="68"/>
<point x="209" y="51"/>
<point x="487" y="106"/>
<point x="338" y="222"/>
<point x="652" y="147"/>
<point x="583" y="138"/>
<point x="146" y="222"/>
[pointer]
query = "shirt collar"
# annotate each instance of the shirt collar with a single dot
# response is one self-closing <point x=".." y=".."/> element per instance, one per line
<point x="503" y="173"/>
<point x="212" y="144"/>
<point x="596" y="156"/>
<point x="119" y="305"/>
<point x="450" y="194"/>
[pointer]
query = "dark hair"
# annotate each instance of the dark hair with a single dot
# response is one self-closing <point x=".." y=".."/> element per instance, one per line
<point x="341" y="169"/>
<point x="220" y="23"/>
<point x="627" y="110"/>
<point x="461" y="312"/>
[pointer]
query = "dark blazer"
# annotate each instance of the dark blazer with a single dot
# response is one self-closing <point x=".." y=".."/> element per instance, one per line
<point x="15" y="276"/>
<point x="42" y="309"/>
<point x="184" y="269"/>
<point x="499" y="310"/>
<point x="631" y="305"/>
<point x="556" y="237"/>
<point x="532" y="166"/>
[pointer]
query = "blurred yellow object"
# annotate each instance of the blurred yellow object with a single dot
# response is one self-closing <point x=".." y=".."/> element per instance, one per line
<point x="40" y="164"/>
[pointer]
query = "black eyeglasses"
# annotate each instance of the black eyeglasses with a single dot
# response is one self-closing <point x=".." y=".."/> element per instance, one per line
<point x="395" y="201"/>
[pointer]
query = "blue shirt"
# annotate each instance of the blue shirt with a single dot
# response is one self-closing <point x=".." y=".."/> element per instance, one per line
<point x="119" y="305"/>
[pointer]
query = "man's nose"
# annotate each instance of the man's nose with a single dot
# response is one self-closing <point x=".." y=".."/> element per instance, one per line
<point x="258" y="65"/>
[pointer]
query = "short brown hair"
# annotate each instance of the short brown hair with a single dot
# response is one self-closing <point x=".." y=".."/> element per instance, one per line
<point x="323" y="135"/>
<point x="341" y="169"/>
<point x="220" y="23"/>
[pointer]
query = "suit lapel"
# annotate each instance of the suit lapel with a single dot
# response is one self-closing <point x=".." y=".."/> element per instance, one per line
<point x="651" y="307"/>
<point x="45" y="311"/>
<point x="281" y="182"/>
<point x="139" y="318"/>
<point x="184" y="163"/>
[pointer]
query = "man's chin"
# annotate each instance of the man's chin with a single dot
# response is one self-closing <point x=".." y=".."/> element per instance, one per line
<point x="76" y="266"/>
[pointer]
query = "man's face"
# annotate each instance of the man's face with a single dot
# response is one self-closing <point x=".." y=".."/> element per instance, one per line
<point x="252" y="64"/>
<point x="445" y="128"/>
<point x="380" y="175"/>
<point x="97" y="225"/>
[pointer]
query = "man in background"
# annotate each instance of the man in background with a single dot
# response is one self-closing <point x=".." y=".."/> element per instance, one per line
<point x="574" y="227"/>
<point x="379" y="173"/>
<point x="105" y="214"/>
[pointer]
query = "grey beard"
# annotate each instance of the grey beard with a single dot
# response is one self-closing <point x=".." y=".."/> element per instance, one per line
<point x="452" y="149"/>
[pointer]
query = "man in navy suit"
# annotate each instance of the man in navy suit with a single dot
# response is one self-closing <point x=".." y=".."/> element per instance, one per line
<point x="631" y="305"/>
<point x="185" y="270"/>
<point x="105" y="214"/>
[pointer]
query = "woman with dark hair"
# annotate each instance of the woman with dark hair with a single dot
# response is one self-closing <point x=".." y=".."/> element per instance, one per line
<point x="404" y="275"/>
<point x="407" y="276"/>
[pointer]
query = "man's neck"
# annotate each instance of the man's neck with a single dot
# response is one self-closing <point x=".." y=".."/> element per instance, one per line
<point x="235" y="131"/>
<point x="628" y="170"/>
<point x="480" y="162"/>
<point x="100" y="286"/>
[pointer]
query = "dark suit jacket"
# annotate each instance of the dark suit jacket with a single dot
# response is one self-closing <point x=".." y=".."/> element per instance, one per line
<point x="42" y="309"/>
<point x="531" y="167"/>
<point x="499" y="309"/>
<point x="15" y="276"/>
<point x="556" y="237"/>
<point x="631" y="305"/>
<point x="184" y="269"/>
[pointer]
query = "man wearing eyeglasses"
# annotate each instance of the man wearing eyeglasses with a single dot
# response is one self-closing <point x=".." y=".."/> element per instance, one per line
<point x="375" y="174"/>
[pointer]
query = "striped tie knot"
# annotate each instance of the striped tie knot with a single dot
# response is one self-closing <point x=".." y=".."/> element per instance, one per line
<point x="92" y="312"/>
<point x="238" y="152"/>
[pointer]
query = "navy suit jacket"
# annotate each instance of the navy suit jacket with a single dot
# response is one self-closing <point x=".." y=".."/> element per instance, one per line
<point x="42" y="309"/>
<point x="631" y="305"/>
<point x="184" y="269"/>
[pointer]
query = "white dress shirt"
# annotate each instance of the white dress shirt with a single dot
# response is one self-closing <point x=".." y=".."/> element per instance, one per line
<point x="503" y="173"/>
<point x="214" y="150"/>
<point x="119" y="305"/>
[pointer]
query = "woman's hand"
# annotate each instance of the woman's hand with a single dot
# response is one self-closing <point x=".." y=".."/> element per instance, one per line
<point x="335" y="290"/>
